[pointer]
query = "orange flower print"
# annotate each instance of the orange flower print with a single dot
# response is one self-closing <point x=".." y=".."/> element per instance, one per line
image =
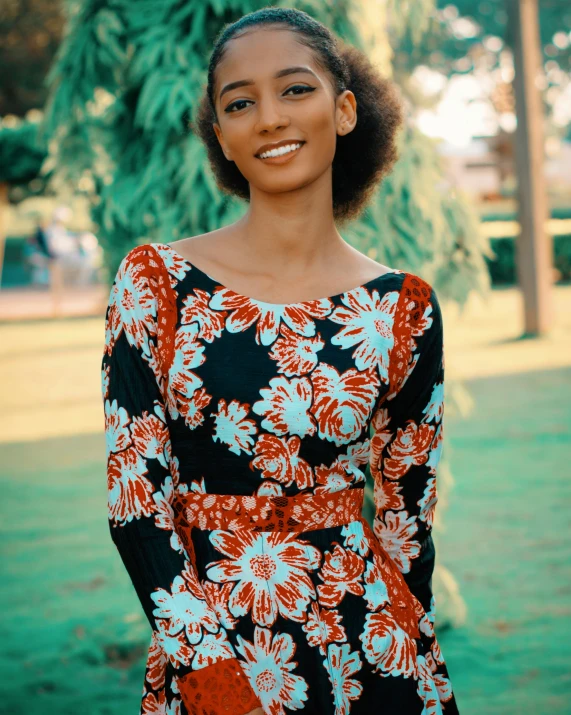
<point x="432" y="692"/>
<point x="408" y="449"/>
<point x="232" y="428"/>
<point x="132" y="308"/>
<point x="295" y="354"/>
<point x="443" y="685"/>
<point x="286" y="405"/>
<point x="244" y="312"/>
<point x="387" y="495"/>
<point x="388" y="647"/>
<point x="332" y="479"/>
<point x="129" y="492"/>
<point x="212" y="648"/>
<point x="195" y="309"/>
<point x="182" y="380"/>
<point x="356" y="455"/>
<point x="164" y="513"/>
<point x="150" y="435"/>
<point x="279" y="459"/>
<point x="268" y="488"/>
<point x="154" y="703"/>
<point x="271" y="573"/>
<point x="395" y="534"/>
<point x="117" y="420"/>
<point x="176" y="647"/>
<point x="268" y="663"/>
<point x="192" y="408"/>
<point x="428" y="501"/>
<point x="323" y="626"/>
<point x="342" y="402"/>
<point x="105" y="381"/>
<point x="217" y="597"/>
<point x="177" y="267"/>
<point x="368" y="322"/>
<point x="155" y="667"/>
<point x="381" y="437"/>
<point x="342" y="572"/>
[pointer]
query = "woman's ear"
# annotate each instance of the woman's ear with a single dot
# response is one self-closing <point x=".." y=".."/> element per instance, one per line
<point x="346" y="112"/>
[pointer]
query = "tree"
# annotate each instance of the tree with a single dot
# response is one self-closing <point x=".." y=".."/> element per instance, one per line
<point x="30" y="32"/>
<point x="466" y="37"/>
<point x="22" y="154"/>
<point x="124" y="88"/>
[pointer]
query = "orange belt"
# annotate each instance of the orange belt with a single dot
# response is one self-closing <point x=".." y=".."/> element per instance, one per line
<point x="301" y="512"/>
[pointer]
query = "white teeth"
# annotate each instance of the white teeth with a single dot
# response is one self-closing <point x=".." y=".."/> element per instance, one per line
<point x="279" y="152"/>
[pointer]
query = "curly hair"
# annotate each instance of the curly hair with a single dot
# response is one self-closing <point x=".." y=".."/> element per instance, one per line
<point x="364" y="156"/>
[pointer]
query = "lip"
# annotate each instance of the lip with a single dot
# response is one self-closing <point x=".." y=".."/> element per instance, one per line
<point x="277" y="145"/>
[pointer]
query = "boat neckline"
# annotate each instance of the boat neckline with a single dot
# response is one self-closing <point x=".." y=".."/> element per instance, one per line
<point x="193" y="266"/>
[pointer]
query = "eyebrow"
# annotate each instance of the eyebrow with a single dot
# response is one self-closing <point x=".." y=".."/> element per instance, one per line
<point x="280" y="73"/>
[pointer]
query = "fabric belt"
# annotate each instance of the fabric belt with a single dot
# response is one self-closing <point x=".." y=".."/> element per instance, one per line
<point x="300" y="512"/>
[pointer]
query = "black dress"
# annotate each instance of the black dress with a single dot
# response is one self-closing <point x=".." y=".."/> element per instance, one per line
<point x="238" y="435"/>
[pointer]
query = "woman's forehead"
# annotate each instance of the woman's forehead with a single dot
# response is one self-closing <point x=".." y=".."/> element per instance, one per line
<point x="261" y="53"/>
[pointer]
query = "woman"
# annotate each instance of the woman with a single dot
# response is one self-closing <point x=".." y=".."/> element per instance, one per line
<point x="239" y="405"/>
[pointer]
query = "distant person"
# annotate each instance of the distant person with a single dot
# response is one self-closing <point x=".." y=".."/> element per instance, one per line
<point x="63" y="247"/>
<point x="40" y="240"/>
<point x="37" y="254"/>
<point x="60" y="243"/>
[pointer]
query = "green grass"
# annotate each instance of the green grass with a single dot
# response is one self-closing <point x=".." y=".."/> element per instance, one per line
<point x="508" y="543"/>
<point x="74" y="637"/>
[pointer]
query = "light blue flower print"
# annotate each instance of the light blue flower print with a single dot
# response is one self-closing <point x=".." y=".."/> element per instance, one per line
<point x="355" y="538"/>
<point x="427" y="689"/>
<point x="341" y="664"/>
<point x="376" y="592"/>
<point x="117" y="436"/>
<point x="368" y="323"/>
<point x="268" y="664"/>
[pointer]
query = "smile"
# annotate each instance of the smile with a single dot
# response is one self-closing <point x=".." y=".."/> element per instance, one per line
<point x="281" y="155"/>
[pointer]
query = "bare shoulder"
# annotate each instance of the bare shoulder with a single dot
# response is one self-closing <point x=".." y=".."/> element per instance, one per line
<point x="368" y="266"/>
<point x="205" y="247"/>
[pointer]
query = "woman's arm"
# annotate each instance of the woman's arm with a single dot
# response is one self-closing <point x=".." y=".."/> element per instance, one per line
<point x="142" y="478"/>
<point x="407" y="445"/>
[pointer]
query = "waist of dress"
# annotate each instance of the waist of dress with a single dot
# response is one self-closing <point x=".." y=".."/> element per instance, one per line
<point x="300" y="512"/>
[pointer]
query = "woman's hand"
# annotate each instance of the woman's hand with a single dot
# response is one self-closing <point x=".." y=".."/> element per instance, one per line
<point x="257" y="711"/>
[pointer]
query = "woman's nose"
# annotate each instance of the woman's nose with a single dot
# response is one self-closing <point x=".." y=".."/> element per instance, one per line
<point x="270" y="116"/>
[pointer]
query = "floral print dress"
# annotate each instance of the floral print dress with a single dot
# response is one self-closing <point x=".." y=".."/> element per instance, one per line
<point x="238" y="436"/>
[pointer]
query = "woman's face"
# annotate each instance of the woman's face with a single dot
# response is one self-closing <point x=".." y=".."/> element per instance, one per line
<point x="299" y="106"/>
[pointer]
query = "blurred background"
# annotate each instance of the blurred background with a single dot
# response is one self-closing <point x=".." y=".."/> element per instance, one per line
<point x="96" y="157"/>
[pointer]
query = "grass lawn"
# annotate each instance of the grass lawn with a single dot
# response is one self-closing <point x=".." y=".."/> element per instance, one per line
<point x="74" y="636"/>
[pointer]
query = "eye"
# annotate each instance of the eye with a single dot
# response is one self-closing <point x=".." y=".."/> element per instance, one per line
<point x="303" y="87"/>
<point x="300" y="86"/>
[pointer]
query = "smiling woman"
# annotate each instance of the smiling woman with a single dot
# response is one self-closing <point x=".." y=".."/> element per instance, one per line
<point x="240" y="429"/>
<point x="331" y="79"/>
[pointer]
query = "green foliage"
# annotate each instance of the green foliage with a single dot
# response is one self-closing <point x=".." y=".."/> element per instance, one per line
<point x="418" y="222"/>
<point x="124" y="89"/>
<point x="441" y="47"/>
<point x="410" y="18"/>
<point x="503" y="268"/>
<point x="22" y="153"/>
<point x="30" y="32"/>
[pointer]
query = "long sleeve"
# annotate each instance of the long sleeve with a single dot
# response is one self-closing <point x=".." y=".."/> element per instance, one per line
<point x="407" y="440"/>
<point x="142" y="480"/>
